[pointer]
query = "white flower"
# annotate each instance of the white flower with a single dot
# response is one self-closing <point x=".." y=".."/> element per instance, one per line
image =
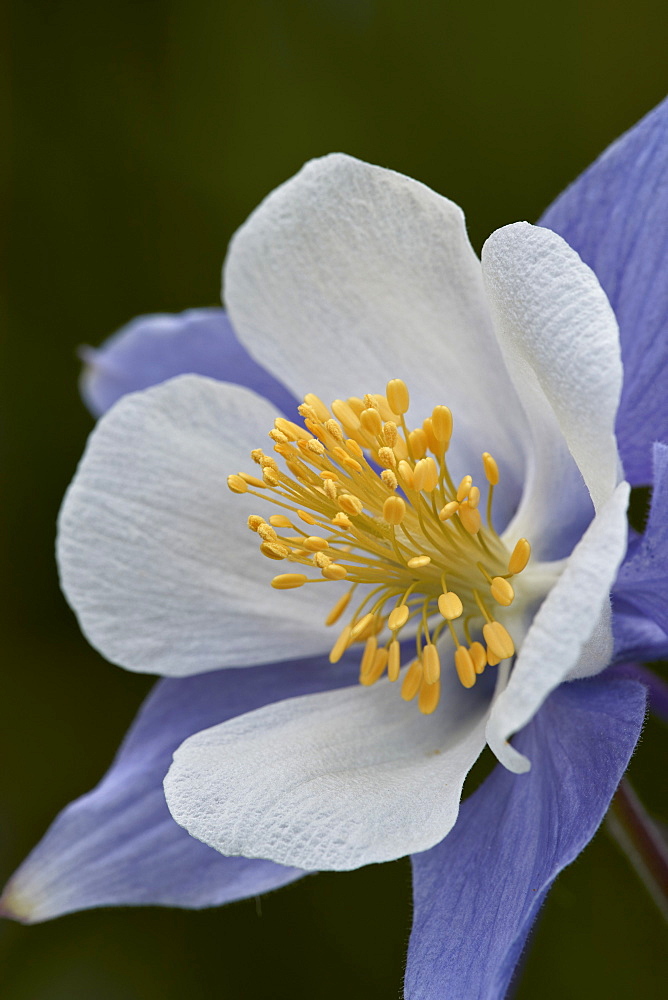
<point x="345" y="278"/>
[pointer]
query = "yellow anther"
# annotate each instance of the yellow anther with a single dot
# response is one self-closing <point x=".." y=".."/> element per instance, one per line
<point x="288" y="581"/>
<point x="479" y="656"/>
<point x="400" y="448"/>
<point x="398" y="617"/>
<point x="351" y="463"/>
<point x="266" y="461"/>
<point x="417" y="562"/>
<point x="397" y="395"/>
<point x="366" y="663"/>
<point x="306" y="517"/>
<point x="317" y="404"/>
<point x="329" y="486"/>
<point x="321" y="560"/>
<point x="473" y="497"/>
<point x="278" y="436"/>
<point x="463" y="488"/>
<point x="446" y="512"/>
<point x="441" y="421"/>
<point x="464" y="666"/>
<point x="335" y="571"/>
<point x="405" y="472"/>
<point x="338" y="609"/>
<point x="340" y="646"/>
<point x="356" y="404"/>
<point x="259" y="484"/>
<point x="343" y="412"/>
<point x="317" y="447"/>
<point x="491" y="468"/>
<point x="502" y="591"/>
<point x="257" y="455"/>
<point x="353" y="446"/>
<point x="393" y="660"/>
<point x="450" y="606"/>
<point x="371" y="421"/>
<point x="417" y="441"/>
<point x="350" y="504"/>
<point x="520" y="557"/>
<point x="498" y="639"/>
<point x="425" y="475"/>
<point x="339" y="453"/>
<point x="387" y="458"/>
<point x="270" y="476"/>
<point x="394" y="510"/>
<point x="470" y="518"/>
<point x="266" y="532"/>
<point x="254" y="521"/>
<point x="292" y="431"/>
<point x="280" y="521"/>
<point x="435" y="446"/>
<point x="307" y="412"/>
<point x="274" y="550"/>
<point x="359" y="627"/>
<point x="237" y="484"/>
<point x="492" y="658"/>
<point x="390" y="433"/>
<point x="384" y="407"/>
<point x="342" y="520"/>
<point x="314" y="543"/>
<point x="431" y="663"/>
<point x="326" y="474"/>
<point x="389" y="479"/>
<point x="370" y="401"/>
<point x="377" y="668"/>
<point x="334" y="429"/>
<point x="412" y="681"/>
<point x="430" y="695"/>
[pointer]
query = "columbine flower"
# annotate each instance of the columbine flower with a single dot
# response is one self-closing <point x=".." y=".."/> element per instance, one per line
<point x="348" y="284"/>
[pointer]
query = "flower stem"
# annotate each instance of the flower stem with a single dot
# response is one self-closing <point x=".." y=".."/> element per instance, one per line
<point x="634" y="831"/>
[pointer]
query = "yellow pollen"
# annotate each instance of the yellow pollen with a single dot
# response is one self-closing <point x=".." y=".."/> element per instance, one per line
<point x="287" y="581"/>
<point x="384" y="513"/>
<point x="519" y="557"/>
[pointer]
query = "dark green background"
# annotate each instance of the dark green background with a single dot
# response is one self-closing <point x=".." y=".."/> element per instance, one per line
<point x="142" y="135"/>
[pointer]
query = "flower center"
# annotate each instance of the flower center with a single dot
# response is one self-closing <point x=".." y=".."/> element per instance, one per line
<point x="408" y="533"/>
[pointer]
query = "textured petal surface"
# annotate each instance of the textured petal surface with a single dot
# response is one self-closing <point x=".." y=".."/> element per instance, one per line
<point x="616" y="216"/>
<point x="643" y="579"/>
<point x="478" y="892"/>
<point x="335" y="781"/>
<point x="571" y="633"/>
<point x="152" y="349"/>
<point x="349" y="275"/>
<point x="154" y="552"/>
<point x="118" y="845"/>
<point x="562" y="347"/>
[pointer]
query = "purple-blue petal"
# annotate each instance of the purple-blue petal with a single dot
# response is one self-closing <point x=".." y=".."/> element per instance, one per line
<point x="616" y="216"/>
<point x="642" y="581"/>
<point x="118" y="845"/>
<point x="152" y="349"/>
<point x="477" y="893"/>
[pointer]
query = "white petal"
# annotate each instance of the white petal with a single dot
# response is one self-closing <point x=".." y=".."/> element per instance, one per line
<point x="154" y="551"/>
<point x="330" y="781"/>
<point x="561" y="341"/>
<point x="349" y="275"/>
<point x="570" y="635"/>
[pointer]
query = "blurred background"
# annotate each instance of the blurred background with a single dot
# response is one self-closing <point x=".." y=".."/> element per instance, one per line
<point x="142" y="134"/>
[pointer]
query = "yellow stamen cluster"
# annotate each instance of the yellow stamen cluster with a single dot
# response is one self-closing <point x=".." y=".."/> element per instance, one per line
<point x="391" y="519"/>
